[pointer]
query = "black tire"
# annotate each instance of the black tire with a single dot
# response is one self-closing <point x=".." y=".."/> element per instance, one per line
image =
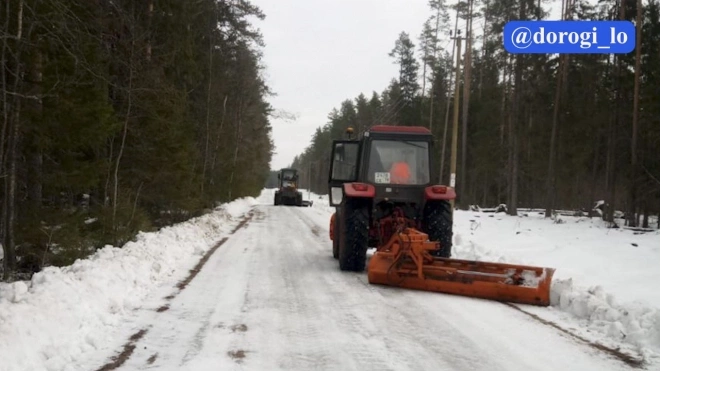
<point x="336" y="238"/>
<point x="276" y="199"/>
<point x="298" y="200"/>
<point x="438" y="224"/>
<point x="354" y="224"/>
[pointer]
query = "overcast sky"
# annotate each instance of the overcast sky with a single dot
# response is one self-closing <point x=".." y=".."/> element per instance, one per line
<point x="320" y="52"/>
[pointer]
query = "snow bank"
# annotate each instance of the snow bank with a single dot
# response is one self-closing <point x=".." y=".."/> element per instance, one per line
<point x="606" y="282"/>
<point x="54" y="321"/>
<point x="599" y="313"/>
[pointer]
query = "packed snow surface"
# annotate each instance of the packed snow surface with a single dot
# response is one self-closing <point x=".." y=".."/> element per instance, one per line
<point x="63" y="315"/>
<point x="273" y="298"/>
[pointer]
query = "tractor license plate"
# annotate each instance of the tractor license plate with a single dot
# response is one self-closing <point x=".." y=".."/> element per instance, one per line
<point x="382" y="178"/>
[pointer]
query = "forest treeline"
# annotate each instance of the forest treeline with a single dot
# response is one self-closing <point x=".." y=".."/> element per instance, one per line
<point x="124" y="115"/>
<point x="534" y="131"/>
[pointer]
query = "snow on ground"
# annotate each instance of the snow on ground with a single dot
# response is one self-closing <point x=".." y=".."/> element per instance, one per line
<point x="607" y="281"/>
<point x="73" y="311"/>
<point x="252" y="309"/>
<point x="606" y="286"/>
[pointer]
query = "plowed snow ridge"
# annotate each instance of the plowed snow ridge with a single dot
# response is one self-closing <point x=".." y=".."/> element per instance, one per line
<point x="67" y="318"/>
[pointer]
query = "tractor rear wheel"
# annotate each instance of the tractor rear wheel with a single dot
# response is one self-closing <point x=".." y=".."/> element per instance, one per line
<point x="353" y="227"/>
<point x="336" y="237"/>
<point x="438" y="224"/>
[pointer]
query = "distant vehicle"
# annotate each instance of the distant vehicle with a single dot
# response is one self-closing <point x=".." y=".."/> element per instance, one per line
<point x="287" y="192"/>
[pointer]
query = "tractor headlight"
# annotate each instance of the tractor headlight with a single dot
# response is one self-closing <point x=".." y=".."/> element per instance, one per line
<point x="336" y="195"/>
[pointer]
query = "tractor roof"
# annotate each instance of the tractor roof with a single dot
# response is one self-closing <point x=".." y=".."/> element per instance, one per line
<point x="400" y="129"/>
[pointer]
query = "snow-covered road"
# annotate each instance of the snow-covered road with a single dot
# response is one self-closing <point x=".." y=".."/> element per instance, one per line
<point x="272" y="298"/>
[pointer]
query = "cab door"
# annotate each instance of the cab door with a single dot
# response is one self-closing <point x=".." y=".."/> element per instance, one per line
<point x="344" y="163"/>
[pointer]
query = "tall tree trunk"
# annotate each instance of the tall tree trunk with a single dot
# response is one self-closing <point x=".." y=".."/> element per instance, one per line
<point x="593" y="191"/>
<point x="504" y="104"/>
<point x="660" y="95"/>
<point x="609" y="185"/>
<point x="238" y="137"/>
<point x="611" y="154"/>
<point x="466" y="98"/>
<point x="612" y="143"/>
<point x="4" y="86"/>
<point x="218" y="137"/>
<point x="551" y="172"/>
<point x="435" y="49"/>
<point x="483" y="58"/>
<point x="9" y="261"/>
<point x="35" y="179"/>
<point x="208" y="114"/>
<point x="484" y="199"/>
<point x="645" y="216"/>
<point x="505" y="108"/>
<point x="551" y="176"/>
<point x="448" y="107"/>
<point x="634" y="169"/>
<point x="512" y="159"/>
<point x="124" y="134"/>
<point x="149" y="16"/>
<point x="515" y="127"/>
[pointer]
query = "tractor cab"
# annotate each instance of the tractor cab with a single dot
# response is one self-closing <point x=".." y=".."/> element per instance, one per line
<point x="384" y="177"/>
<point x="380" y="185"/>
<point x="288" y="178"/>
<point x="287" y="193"/>
<point x="393" y="161"/>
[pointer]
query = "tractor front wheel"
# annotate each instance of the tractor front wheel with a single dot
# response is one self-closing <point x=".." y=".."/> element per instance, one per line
<point x="353" y="236"/>
<point x="438" y="224"/>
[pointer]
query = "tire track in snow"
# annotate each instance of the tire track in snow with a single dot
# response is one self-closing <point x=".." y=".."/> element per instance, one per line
<point x="454" y="353"/>
<point x="129" y="348"/>
<point x="624" y="357"/>
<point x="279" y="279"/>
<point x="399" y="339"/>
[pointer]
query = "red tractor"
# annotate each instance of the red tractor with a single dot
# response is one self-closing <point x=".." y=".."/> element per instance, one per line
<point x="378" y="183"/>
<point x="381" y="188"/>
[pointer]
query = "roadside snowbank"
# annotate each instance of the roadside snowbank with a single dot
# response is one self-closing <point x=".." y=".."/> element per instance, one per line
<point x="599" y="313"/>
<point x="606" y="281"/>
<point x="62" y="314"/>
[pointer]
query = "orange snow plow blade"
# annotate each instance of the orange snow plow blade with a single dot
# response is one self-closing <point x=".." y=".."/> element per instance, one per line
<point x="405" y="262"/>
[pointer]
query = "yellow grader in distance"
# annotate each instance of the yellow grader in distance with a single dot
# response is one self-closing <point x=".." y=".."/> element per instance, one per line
<point x="383" y="196"/>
